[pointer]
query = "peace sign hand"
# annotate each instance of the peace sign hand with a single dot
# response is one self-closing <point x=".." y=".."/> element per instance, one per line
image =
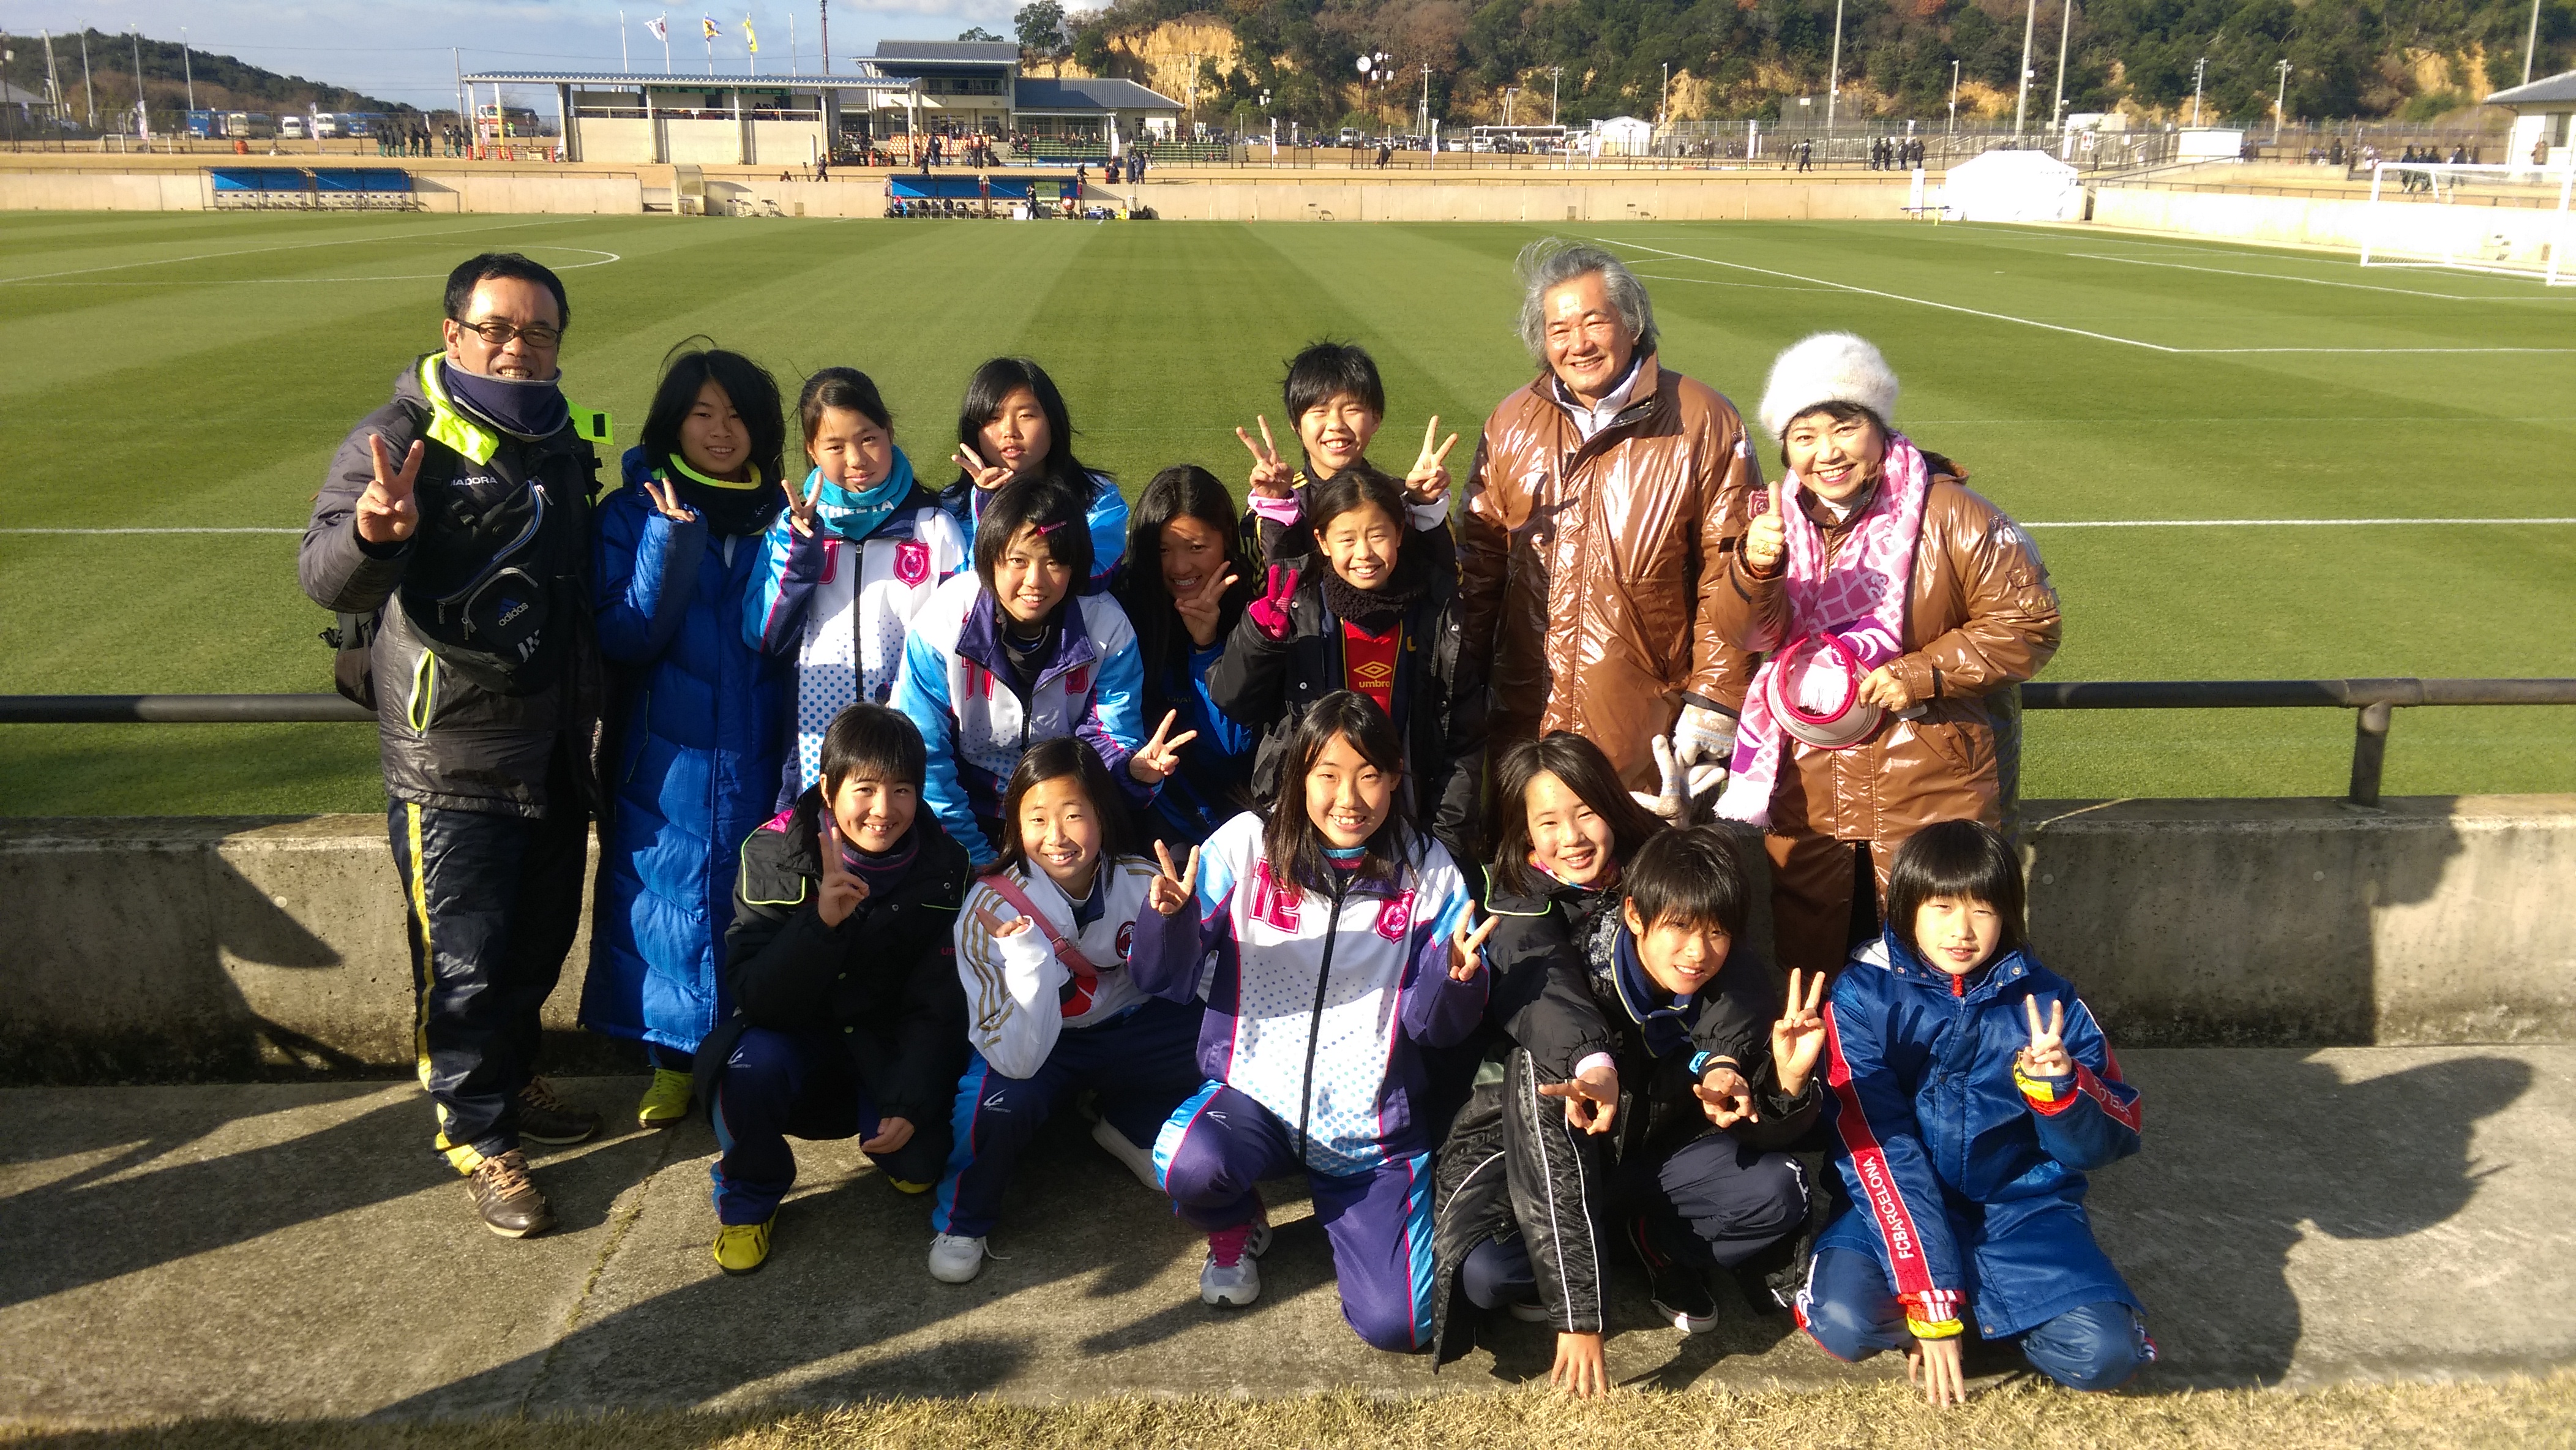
<point x="1171" y="890"/>
<point x="1798" y="1038"/>
<point x="1199" y="609"/>
<point x="387" y="513"/>
<point x="666" y="502"/>
<point x="1766" y="540"/>
<point x="1158" y="757"/>
<point x="1429" y="480"/>
<point x="1591" y="1099"/>
<point x="2046" y="1055"/>
<point x="1467" y="948"/>
<point x="1271" y="475"/>
<point x="986" y="476"/>
<point x="801" y="503"/>
<point x="1726" y="1097"/>
<point x="841" y="892"/>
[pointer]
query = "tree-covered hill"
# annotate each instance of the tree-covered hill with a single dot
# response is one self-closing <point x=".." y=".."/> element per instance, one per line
<point x="222" y="82"/>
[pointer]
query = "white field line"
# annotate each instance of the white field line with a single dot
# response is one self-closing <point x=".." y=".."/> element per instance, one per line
<point x="2059" y="327"/>
<point x="285" y="247"/>
<point x="2310" y="281"/>
<point x="604" y="259"/>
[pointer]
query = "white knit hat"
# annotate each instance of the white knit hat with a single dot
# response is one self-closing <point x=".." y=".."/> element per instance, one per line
<point x="1829" y="367"/>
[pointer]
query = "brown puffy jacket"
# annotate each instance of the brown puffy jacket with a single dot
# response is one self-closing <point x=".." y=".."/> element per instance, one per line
<point x="1587" y="570"/>
<point x="1980" y="614"/>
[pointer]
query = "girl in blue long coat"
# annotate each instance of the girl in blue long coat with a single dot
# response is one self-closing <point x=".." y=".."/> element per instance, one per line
<point x="700" y="713"/>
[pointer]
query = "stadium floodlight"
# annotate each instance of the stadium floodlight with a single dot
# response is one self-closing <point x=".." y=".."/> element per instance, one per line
<point x="2513" y="227"/>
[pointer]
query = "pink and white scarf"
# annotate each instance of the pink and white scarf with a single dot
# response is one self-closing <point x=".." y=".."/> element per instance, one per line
<point x="1859" y="598"/>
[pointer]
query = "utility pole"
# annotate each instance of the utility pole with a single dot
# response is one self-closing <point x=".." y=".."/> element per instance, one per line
<point x="89" y="92"/>
<point x="2065" y="27"/>
<point x="54" y="90"/>
<point x="188" y="67"/>
<point x="2279" y="98"/>
<point x="1664" y="98"/>
<point x="827" y="37"/>
<point x="1554" y="74"/>
<point x="2530" y="42"/>
<point x="1834" y="76"/>
<point x="2198" y="68"/>
<point x="1954" y="98"/>
<point x="1426" y="105"/>
<point x="142" y="112"/>
<point x="2021" y="98"/>
<point x="623" y="63"/>
<point x="464" y="115"/>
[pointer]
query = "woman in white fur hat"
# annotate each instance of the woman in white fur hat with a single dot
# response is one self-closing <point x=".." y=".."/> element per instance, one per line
<point x="1890" y="602"/>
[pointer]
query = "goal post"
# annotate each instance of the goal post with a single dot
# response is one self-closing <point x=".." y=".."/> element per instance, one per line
<point x="2509" y="221"/>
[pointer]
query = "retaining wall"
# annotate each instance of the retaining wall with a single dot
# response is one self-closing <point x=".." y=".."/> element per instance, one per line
<point x="2464" y="229"/>
<point x="229" y="948"/>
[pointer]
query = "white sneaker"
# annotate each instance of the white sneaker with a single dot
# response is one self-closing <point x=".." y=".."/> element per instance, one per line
<point x="1238" y="1283"/>
<point x="955" y="1259"/>
<point x="1139" y="1161"/>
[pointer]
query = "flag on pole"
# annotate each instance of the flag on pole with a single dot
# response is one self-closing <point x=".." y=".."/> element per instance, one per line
<point x="750" y="42"/>
<point x="712" y="30"/>
<point x="661" y="28"/>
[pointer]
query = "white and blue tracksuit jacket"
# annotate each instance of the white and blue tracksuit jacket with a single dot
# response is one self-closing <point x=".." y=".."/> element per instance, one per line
<point x="1313" y="1012"/>
<point x="1106" y="516"/>
<point x="953" y="686"/>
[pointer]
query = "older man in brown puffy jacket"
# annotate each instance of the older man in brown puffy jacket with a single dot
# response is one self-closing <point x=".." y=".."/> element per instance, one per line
<point x="1588" y="551"/>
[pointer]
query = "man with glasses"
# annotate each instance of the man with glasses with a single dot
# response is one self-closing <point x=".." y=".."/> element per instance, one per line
<point x="452" y="534"/>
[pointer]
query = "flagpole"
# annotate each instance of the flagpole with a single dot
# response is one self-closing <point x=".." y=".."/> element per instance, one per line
<point x="623" y="63"/>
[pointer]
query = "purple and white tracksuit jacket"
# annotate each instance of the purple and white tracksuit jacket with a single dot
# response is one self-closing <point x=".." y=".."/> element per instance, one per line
<point x="1316" y="1006"/>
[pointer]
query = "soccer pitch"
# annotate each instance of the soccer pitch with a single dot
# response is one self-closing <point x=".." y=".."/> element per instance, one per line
<point x="2133" y="399"/>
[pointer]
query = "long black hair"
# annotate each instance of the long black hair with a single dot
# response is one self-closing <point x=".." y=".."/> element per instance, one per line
<point x="1183" y="491"/>
<point x="1291" y="840"/>
<point x="1000" y="378"/>
<point x="1586" y="772"/>
<point x="754" y="395"/>
<point x="1040" y="503"/>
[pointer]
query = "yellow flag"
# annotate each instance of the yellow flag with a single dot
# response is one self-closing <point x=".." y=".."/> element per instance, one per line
<point x="750" y="42"/>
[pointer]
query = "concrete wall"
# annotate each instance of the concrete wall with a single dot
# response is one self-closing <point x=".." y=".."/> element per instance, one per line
<point x="702" y="143"/>
<point x="621" y="140"/>
<point x="103" y="191"/>
<point x="1605" y="200"/>
<point x="227" y="948"/>
<point x="2426" y="227"/>
<point x="786" y="143"/>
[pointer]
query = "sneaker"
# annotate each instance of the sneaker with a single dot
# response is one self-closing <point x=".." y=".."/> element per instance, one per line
<point x="666" y="1102"/>
<point x="906" y="1185"/>
<point x="507" y="1198"/>
<point x="1679" y="1294"/>
<point x="1232" y="1273"/>
<point x="545" y="1118"/>
<point x="955" y="1259"/>
<point x="741" y="1248"/>
<point x="1139" y="1161"/>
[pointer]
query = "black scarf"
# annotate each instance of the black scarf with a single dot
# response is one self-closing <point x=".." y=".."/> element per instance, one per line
<point x="730" y="509"/>
<point x="1381" y="609"/>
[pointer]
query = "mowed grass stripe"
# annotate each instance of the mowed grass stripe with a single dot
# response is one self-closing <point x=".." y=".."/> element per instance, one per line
<point x="1167" y="337"/>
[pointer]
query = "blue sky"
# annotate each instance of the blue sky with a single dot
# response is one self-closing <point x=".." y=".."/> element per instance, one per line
<point x="399" y="50"/>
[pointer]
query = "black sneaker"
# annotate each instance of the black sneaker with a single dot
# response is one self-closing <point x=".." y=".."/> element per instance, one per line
<point x="1784" y="1275"/>
<point x="507" y="1198"/>
<point x="1679" y="1295"/>
<point x="545" y="1118"/>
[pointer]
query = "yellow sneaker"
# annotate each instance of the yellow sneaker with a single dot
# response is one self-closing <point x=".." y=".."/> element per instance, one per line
<point x="741" y="1248"/>
<point x="906" y="1185"/>
<point x="666" y="1102"/>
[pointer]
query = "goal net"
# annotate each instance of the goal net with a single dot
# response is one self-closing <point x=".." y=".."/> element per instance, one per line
<point x="2508" y="220"/>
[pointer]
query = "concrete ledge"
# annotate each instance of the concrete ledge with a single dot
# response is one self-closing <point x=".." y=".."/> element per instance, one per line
<point x="199" y="948"/>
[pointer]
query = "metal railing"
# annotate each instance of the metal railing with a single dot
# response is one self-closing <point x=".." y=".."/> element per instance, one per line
<point x="2372" y="701"/>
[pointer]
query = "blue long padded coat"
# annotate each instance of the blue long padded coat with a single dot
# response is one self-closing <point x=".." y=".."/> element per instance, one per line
<point x="701" y="732"/>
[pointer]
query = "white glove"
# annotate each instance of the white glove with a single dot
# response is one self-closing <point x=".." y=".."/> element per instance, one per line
<point x="1703" y="743"/>
<point x="1669" y="802"/>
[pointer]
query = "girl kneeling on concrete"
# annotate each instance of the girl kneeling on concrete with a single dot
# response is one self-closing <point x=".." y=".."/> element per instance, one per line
<point x="1342" y="948"/>
<point x="1041" y="950"/>
<point x="701" y="716"/>
<point x="850" y="1021"/>
<point x="1648" y="1093"/>
<point x="1972" y="1091"/>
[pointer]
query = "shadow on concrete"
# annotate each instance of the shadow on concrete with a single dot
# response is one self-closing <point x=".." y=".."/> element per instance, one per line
<point x="131" y="1210"/>
<point x="2209" y="1230"/>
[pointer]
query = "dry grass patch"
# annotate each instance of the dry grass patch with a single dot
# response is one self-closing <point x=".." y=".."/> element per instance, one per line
<point x="2513" y="1412"/>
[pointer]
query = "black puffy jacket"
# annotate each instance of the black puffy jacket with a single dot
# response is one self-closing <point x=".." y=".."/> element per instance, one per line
<point x="1511" y="1164"/>
<point x="884" y="981"/>
<point x="453" y="736"/>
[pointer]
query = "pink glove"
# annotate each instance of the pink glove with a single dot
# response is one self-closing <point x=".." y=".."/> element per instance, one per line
<point x="1269" y="613"/>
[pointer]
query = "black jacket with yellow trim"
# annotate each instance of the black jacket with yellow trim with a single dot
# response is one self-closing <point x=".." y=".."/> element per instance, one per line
<point x="883" y="982"/>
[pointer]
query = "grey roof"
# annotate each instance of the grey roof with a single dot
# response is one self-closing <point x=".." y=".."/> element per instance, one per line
<point x="2558" y="88"/>
<point x="986" y="52"/>
<point x="1087" y="94"/>
<point x="680" y="81"/>
<point x="11" y="95"/>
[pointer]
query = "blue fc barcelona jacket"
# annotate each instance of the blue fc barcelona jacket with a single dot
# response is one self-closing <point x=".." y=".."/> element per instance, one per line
<point x="1968" y="1180"/>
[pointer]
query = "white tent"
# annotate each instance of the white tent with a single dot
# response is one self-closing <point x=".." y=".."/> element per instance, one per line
<point x="1622" y="136"/>
<point x="2012" y="186"/>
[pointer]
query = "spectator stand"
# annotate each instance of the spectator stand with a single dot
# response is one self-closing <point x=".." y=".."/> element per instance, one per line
<point x="310" y="188"/>
<point x="1004" y="195"/>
